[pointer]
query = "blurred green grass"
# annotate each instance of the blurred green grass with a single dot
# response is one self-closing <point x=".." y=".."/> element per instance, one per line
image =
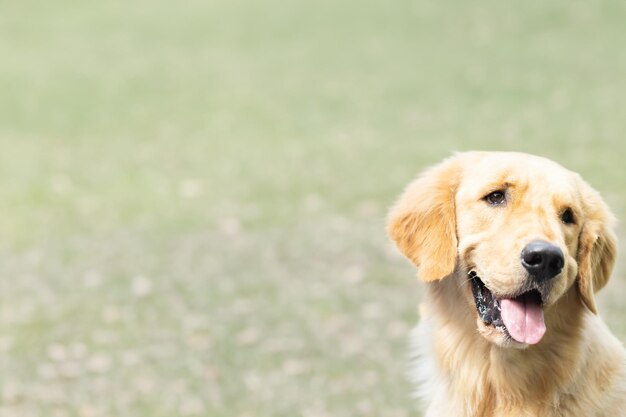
<point x="193" y="194"/>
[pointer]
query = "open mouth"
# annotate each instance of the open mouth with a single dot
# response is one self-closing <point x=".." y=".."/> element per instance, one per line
<point x="520" y="317"/>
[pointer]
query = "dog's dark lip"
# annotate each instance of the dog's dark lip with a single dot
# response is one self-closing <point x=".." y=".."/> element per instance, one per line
<point x="488" y="303"/>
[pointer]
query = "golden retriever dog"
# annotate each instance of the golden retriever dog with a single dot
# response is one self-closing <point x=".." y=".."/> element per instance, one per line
<point x="512" y="248"/>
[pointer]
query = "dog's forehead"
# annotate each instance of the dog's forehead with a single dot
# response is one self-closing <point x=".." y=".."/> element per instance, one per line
<point x="526" y="173"/>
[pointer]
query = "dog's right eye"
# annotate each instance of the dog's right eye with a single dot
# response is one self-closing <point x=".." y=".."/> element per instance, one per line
<point x="495" y="198"/>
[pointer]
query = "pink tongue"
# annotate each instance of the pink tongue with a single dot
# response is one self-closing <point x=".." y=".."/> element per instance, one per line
<point x="523" y="318"/>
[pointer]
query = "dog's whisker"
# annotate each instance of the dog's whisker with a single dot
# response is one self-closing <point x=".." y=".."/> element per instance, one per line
<point x="471" y="274"/>
<point x="465" y="281"/>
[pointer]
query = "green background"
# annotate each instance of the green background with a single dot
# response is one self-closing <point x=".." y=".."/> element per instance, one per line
<point x="193" y="193"/>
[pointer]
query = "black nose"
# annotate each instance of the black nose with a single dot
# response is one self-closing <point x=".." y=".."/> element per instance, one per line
<point x="542" y="260"/>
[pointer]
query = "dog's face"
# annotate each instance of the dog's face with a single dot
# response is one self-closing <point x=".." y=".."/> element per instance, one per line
<point x="516" y="231"/>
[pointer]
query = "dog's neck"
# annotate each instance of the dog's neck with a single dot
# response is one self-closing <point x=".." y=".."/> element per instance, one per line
<point x="477" y="372"/>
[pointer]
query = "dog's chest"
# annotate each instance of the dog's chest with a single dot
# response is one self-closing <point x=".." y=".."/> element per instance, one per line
<point x="458" y="385"/>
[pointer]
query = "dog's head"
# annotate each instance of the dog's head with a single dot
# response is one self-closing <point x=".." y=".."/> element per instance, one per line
<point x="517" y="231"/>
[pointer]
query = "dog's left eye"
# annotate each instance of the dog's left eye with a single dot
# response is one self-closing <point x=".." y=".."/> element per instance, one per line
<point x="567" y="216"/>
<point x="495" y="198"/>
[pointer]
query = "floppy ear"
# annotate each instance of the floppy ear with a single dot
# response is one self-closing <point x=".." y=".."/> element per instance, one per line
<point x="423" y="221"/>
<point x="597" y="246"/>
